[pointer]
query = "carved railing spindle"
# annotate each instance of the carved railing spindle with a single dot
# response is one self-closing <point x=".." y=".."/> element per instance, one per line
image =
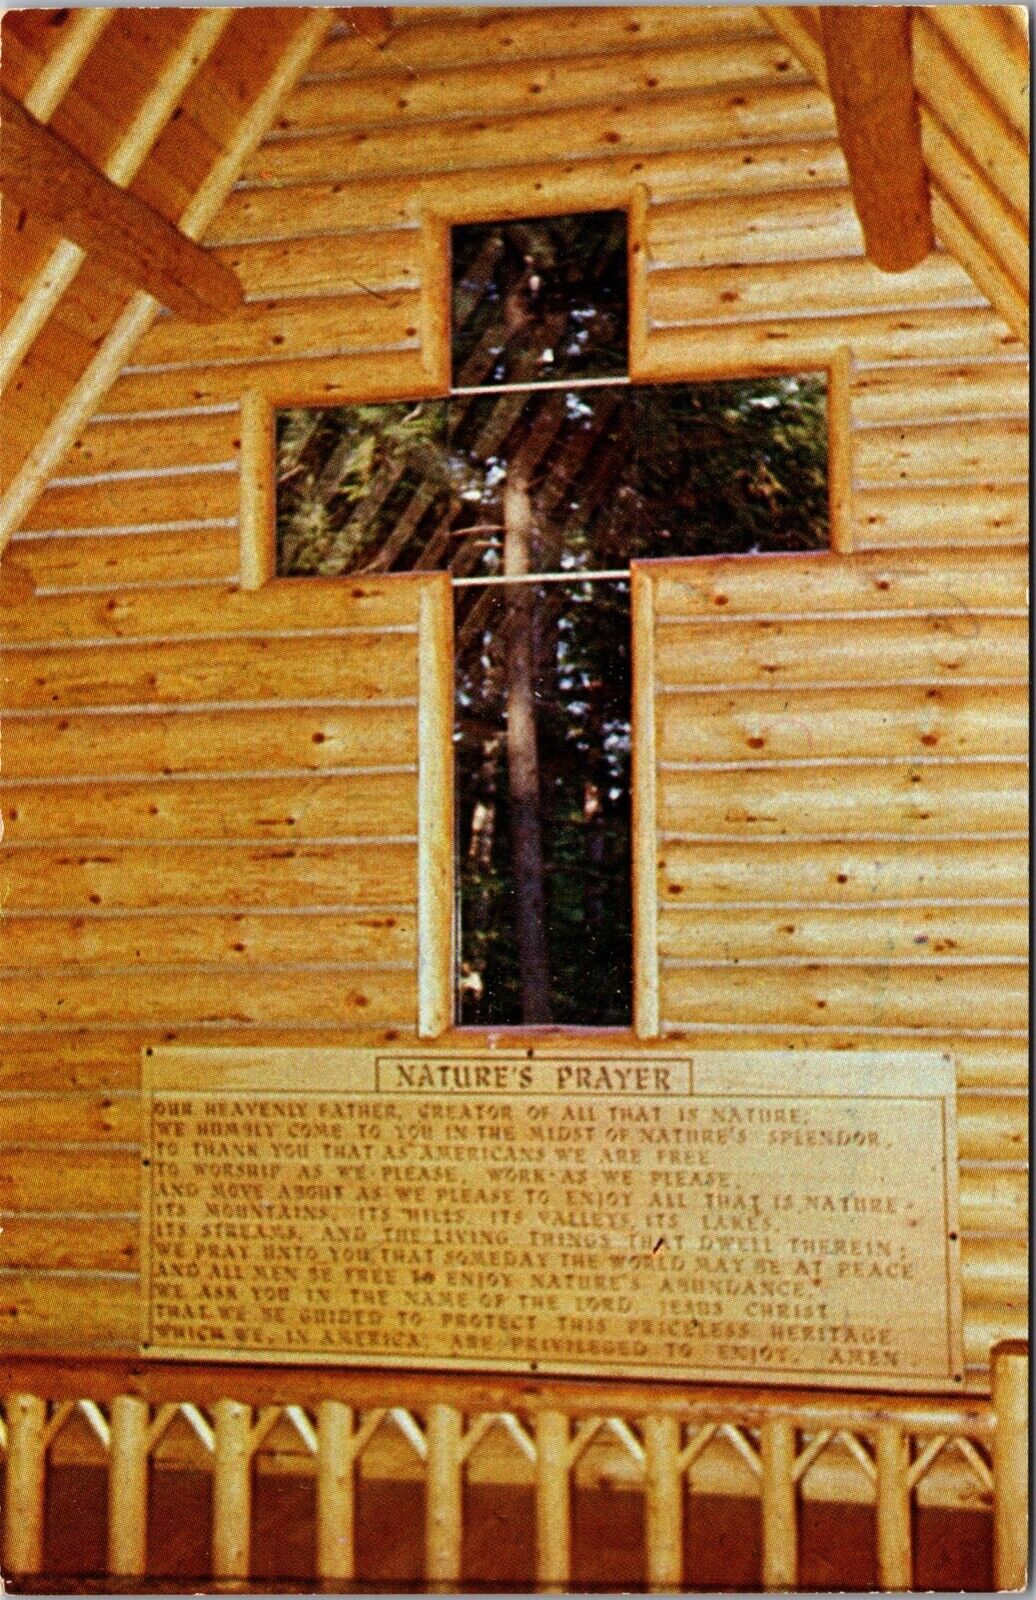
<point x="895" y="1553"/>
<point x="127" y="1486"/>
<point x="780" y="1528"/>
<point x="443" y="1505"/>
<point x="232" y="1489"/>
<point x="553" y="1510"/>
<point x="26" y="1483"/>
<point x="1010" y="1464"/>
<point x="336" y="1498"/>
<point x="663" y="1491"/>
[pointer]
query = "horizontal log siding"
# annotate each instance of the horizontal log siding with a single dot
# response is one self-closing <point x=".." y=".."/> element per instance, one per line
<point x="171" y="738"/>
<point x="211" y="824"/>
<point x="842" y="830"/>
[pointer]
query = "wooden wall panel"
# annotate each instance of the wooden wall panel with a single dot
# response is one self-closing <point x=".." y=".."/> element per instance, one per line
<point x="828" y="733"/>
<point x="844" y="849"/>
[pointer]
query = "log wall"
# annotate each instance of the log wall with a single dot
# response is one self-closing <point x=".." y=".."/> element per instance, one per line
<point x="211" y="802"/>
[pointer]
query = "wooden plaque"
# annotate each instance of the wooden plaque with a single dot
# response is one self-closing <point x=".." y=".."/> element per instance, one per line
<point x="728" y="1216"/>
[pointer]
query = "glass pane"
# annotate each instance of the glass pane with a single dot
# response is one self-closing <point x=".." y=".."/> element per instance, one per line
<point x="541" y="298"/>
<point x="580" y="744"/>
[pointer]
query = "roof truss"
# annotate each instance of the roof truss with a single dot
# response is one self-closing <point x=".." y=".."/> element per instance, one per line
<point x="46" y="174"/>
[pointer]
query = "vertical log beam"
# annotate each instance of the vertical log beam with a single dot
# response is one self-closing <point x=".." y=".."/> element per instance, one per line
<point x="435" y="804"/>
<point x="258" y="510"/>
<point x="895" y="1553"/>
<point x="637" y="277"/>
<point x="553" y="1508"/>
<point x="646" y="1011"/>
<point x="232" y="1490"/>
<point x="336" y="1497"/>
<point x="780" y="1529"/>
<point x="26" y="1483"/>
<point x="870" y="76"/>
<point x="840" y="451"/>
<point x="1010" y="1386"/>
<point x="663" y="1490"/>
<point x="127" y="1487"/>
<point x="436" y="318"/>
<point x="444" y="1496"/>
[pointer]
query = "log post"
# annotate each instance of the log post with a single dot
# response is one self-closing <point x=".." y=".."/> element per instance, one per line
<point x="895" y="1553"/>
<point x="443" y="1506"/>
<point x="870" y="78"/>
<point x="780" y="1531"/>
<point x="232" y="1490"/>
<point x="336" y="1498"/>
<point x="128" y="1486"/>
<point x="257" y="511"/>
<point x="1010" y="1375"/>
<point x="26" y="1483"/>
<point x="553" y="1511"/>
<point x="663" y="1488"/>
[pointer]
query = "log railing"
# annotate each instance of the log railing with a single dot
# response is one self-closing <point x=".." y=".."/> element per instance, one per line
<point x="781" y="1435"/>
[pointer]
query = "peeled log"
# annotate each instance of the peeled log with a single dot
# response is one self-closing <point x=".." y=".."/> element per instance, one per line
<point x="869" y="69"/>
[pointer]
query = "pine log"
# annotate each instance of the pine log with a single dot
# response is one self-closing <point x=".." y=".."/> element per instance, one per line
<point x="494" y="88"/>
<point x="902" y="996"/>
<point x="150" y="444"/>
<point x="773" y="585"/>
<point x="304" y="738"/>
<point x="905" y="798"/>
<point x="914" y="936"/>
<point x="958" y="100"/>
<point x="853" y="873"/>
<point x="718" y="350"/>
<point x="48" y="175"/>
<point x="870" y="79"/>
<point x="753" y="724"/>
<point x="358" y="666"/>
<point x="205" y="553"/>
<point x="326" y="994"/>
<point x="601" y="182"/>
<point x="927" y="648"/>
<point x="234" y="940"/>
<point x="955" y="392"/>
<point x="954" y="515"/>
<point x="136" y="502"/>
<point x="353" y="375"/>
<point x="670" y="122"/>
<point x="221" y="611"/>
<point x="139" y="877"/>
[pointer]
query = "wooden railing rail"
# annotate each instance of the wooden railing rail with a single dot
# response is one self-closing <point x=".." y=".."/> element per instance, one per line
<point x="779" y="1435"/>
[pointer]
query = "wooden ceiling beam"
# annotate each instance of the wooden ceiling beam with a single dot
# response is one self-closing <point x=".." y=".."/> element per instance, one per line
<point x="870" y="77"/>
<point x="122" y="166"/>
<point x="47" y="175"/>
<point x="373" y="23"/>
<point x="304" y="32"/>
<point x="81" y="32"/>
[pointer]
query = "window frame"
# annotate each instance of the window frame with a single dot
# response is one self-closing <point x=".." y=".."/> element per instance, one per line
<point x="436" y="952"/>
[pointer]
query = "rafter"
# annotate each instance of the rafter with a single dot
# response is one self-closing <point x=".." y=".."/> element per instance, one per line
<point x="870" y="76"/>
<point x="122" y="166"/>
<point x="373" y="23"/>
<point x="81" y="33"/>
<point x="48" y="176"/>
<point x="304" y="31"/>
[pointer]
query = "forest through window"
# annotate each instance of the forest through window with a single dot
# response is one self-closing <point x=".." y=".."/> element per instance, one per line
<point x="535" y="483"/>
